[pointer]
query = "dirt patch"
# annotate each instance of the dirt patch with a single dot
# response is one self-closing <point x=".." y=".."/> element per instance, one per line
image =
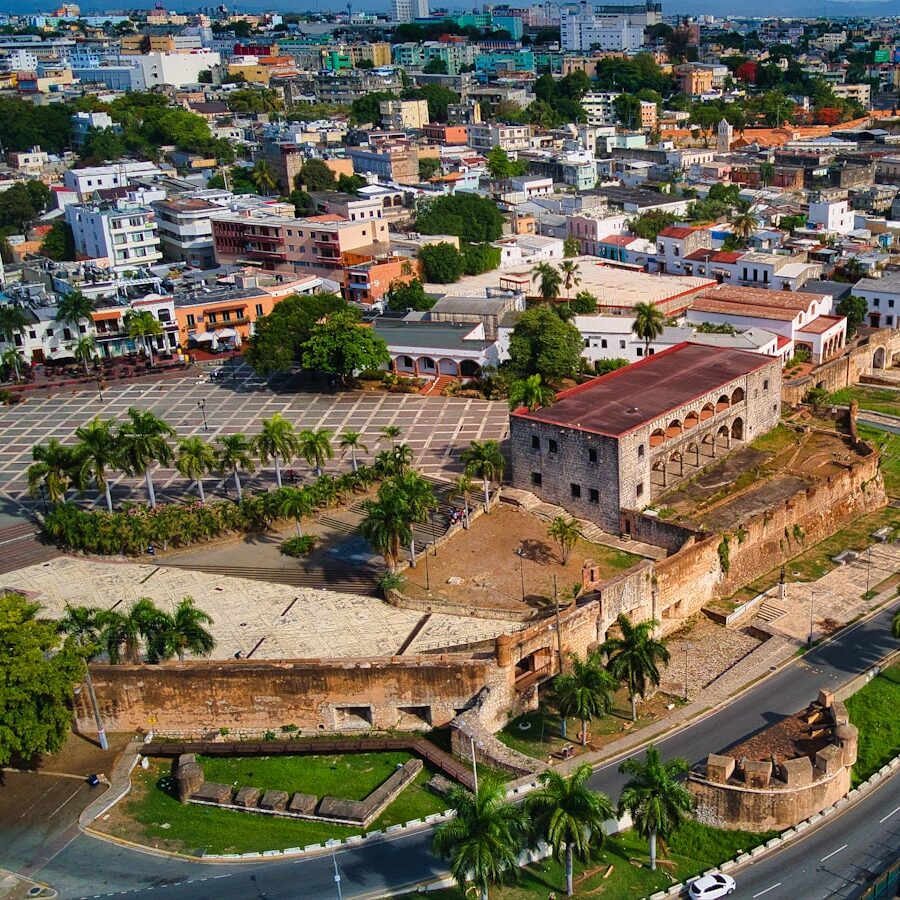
<point x="787" y="739"/>
<point x="506" y="560"/>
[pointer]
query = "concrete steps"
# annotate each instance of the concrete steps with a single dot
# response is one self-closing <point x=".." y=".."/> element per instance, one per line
<point x="20" y="547"/>
<point x="349" y="581"/>
<point x="770" y="611"/>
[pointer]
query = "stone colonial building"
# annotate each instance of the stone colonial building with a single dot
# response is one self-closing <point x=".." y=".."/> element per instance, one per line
<point x="618" y="441"/>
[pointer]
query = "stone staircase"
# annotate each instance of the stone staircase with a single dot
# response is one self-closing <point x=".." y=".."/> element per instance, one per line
<point x="769" y="611"/>
<point x="20" y="547"/>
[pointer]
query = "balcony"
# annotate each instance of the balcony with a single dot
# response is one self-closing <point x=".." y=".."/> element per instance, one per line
<point x="259" y="253"/>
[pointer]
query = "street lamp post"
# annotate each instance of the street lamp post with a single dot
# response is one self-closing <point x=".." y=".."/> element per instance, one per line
<point x="521" y="554"/>
<point x="812" y="608"/>
<point x="201" y="405"/>
<point x="231" y="360"/>
<point x="99" y="386"/>
<point x="687" y="648"/>
<point x="433" y="533"/>
<point x="337" y="877"/>
<point x="427" y="573"/>
<point x="868" y="571"/>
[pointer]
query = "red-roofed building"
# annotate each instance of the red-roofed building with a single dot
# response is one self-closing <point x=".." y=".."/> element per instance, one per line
<point x="618" y="441"/>
<point x="677" y="242"/>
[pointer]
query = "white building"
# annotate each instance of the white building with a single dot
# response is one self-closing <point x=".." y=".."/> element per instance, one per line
<point x="487" y="135"/>
<point x="177" y="69"/>
<point x="407" y="10"/>
<point x="97" y="178"/>
<point x="43" y="338"/>
<point x="883" y="297"/>
<point x="84" y="122"/>
<point x="585" y="29"/>
<point x="124" y="233"/>
<point x="524" y="249"/>
<point x="833" y="216"/>
<point x="599" y="107"/>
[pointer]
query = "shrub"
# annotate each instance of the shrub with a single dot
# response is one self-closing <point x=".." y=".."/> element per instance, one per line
<point x="301" y="545"/>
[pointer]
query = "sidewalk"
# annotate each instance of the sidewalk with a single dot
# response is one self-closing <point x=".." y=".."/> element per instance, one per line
<point x="17" y="887"/>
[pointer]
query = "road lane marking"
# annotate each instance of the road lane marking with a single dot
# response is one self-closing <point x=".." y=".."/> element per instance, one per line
<point x="766" y="891"/>
<point x="889" y="815"/>
<point x="833" y="853"/>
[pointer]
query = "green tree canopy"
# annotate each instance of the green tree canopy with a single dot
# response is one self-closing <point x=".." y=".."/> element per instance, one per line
<point x="39" y="674"/>
<point x="315" y="176"/>
<point x="468" y="216"/>
<point x="279" y="337"/>
<point x="649" y="224"/>
<point x="59" y="244"/>
<point x="411" y="295"/>
<point x="342" y="346"/>
<point x="365" y="109"/>
<point x="855" y="309"/>
<point x="542" y="344"/>
<point x="479" y="258"/>
<point x="441" y="263"/>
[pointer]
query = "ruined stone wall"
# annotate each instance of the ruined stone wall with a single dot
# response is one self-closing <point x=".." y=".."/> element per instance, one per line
<point x="695" y="575"/>
<point x="859" y="360"/>
<point x="742" y="808"/>
<point x="199" y="697"/>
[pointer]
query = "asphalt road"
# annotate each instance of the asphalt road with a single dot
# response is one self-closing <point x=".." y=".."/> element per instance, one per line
<point x="89" y="867"/>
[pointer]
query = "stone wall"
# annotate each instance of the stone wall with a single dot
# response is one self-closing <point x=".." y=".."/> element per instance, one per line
<point x="199" y="697"/>
<point x="694" y="575"/>
<point x="845" y="370"/>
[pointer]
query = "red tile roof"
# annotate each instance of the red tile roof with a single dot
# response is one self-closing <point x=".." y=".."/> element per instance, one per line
<point x="678" y="231"/>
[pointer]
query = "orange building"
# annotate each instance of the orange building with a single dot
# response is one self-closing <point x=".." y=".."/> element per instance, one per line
<point x="366" y="279"/>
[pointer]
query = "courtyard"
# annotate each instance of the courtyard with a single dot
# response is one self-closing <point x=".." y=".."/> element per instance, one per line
<point x="436" y="428"/>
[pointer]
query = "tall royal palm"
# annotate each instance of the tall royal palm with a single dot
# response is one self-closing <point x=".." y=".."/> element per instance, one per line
<point x="194" y="458"/>
<point x="391" y="433"/>
<point x="461" y="489"/>
<point x="52" y="467"/>
<point x="295" y="504"/>
<point x="233" y="453"/>
<point x="484" y="838"/>
<point x="744" y="222"/>
<point x="485" y="461"/>
<point x="386" y="526"/>
<point x="185" y="632"/>
<point x="549" y="280"/>
<point x="121" y="632"/>
<point x="83" y="351"/>
<point x="571" y="275"/>
<point x="416" y="494"/>
<point x="655" y="797"/>
<point x="634" y="657"/>
<point x="143" y="326"/>
<point x="96" y="452"/>
<point x="73" y="307"/>
<point x="83" y="624"/>
<point x="11" y="359"/>
<point x="530" y="393"/>
<point x="143" y="441"/>
<point x="569" y="816"/>
<point x="649" y="321"/>
<point x="315" y="447"/>
<point x="12" y="322"/>
<point x="264" y="177"/>
<point x="585" y="691"/>
<point x="351" y="442"/>
<point x="277" y="441"/>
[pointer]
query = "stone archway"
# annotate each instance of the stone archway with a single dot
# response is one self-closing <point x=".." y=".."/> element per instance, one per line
<point x="691" y="420"/>
<point x="737" y="396"/>
<point x="469" y="368"/>
<point x="724" y="433"/>
<point x="707" y="412"/>
<point x="657" y="437"/>
<point x="674" y="428"/>
<point x="878" y="358"/>
<point x="723" y="403"/>
<point x="737" y="429"/>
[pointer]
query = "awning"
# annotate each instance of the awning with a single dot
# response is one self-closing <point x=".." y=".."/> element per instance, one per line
<point x="204" y="337"/>
<point x="223" y="333"/>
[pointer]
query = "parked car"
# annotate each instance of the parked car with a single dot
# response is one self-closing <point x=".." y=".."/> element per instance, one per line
<point x="711" y="887"/>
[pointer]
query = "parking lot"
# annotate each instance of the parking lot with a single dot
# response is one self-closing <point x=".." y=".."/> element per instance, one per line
<point x="436" y="428"/>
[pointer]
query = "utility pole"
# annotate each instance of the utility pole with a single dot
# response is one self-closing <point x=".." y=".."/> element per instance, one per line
<point x="337" y="877"/>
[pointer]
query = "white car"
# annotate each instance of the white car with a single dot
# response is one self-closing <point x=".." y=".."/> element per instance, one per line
<point x="711" y="887"/>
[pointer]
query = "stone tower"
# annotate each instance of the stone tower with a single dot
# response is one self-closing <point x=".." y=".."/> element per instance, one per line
<point x="724" y="136"/>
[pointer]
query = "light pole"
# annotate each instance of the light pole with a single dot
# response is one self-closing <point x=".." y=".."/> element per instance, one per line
<point x="101" y="733"/>
<point x="812" y="608"/>
<point x="521" y="554"/>
<point x="201" y="405"/>
<point x="474" y="766"/>
<point x="427" y="573"/>
<point x="231" y="359"/>
<point x="433" y="533"/>
<point x="99" y="386"/>
<point x="337" y="877"/>
<point x="868" y="570"/>
<point x="687" y="648"/>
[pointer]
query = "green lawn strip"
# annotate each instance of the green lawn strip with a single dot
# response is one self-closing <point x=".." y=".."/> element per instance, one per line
<point x="694" y="849"/>
<point x="815" y="562"/>
<point x="198" y="829"/>
<point x="776" y="440"/>
<point x="873" y="710"/>
<point x="888" y="445"/>
<point x="875" y="399"/>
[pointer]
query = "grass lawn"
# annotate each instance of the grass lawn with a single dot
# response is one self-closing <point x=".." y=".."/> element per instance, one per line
<point x="151" y="814"/>
<point x="776" y="440"/>
<point x="888" y="445"/>
<point x="873" y="710"/>
<point x="880" y="400"/>
<point x="694" y="849"/>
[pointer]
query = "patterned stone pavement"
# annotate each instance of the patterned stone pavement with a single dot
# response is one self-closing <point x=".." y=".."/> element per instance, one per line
<point x="260" y="619"/>
<point x="436" y="428"/>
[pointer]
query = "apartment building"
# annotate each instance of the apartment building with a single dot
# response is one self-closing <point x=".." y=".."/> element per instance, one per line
<point x="125" y="233"/>
<point x="484" y="136"/>
<point x="111" y="335"/>
<point x="404" y="115"/>
<point x="86" y="181"/>
<point x="389" y="160"/>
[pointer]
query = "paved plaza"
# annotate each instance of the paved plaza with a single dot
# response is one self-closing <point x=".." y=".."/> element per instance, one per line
<point x="436" y="428"/>
<point x="260" y="619"/>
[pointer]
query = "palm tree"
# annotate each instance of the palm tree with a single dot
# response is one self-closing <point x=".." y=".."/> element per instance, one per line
<point x="415" y="495"/>
<point x="648" y="325"/>
<point x="571" y="274"/>
<point x="486" y="461"/>
<point x="185" y="632"/>
<point x="82" y="623"/>
<point x="83" y="350"/>
<point x="52" y="468"/>
<point x="276" y="440"/>
<point x="121" y="633"/>
<point x="142" y="442"/>
<point x="585" y="692"/>
<point x="73" y="307"/>
<point x="461" y="488"/>
<point x="549" y="278"/>
<point x="565" y="532"/>
<point x="296" y="504"/>
<point x="315" y="447"/>
<point x="12" y="322"/>
<point x="194" y="458"/>
<point x="386" y="527"/>
<point x="234" y="452"/>
<point x="263" y="176"/>
<point x="654" y="797"/>
<point x="633" y="658"/>
<point x="530" y="393"/>
<point x="12" y="360"/>
<point x="142" y="324"/>
<point x="390" y="433"/>
<point x="97" y="450"/>
<point x="351" y="442"/>
<point x="569" y="816"/>
<point x="744" y="222"/>
<point x="483" y="839"/>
